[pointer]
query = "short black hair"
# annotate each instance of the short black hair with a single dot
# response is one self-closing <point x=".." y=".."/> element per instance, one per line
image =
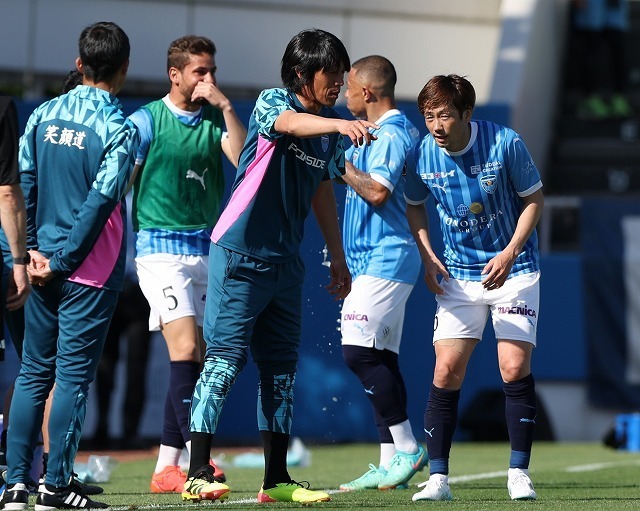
<point x="378" y="71"/>
<point x="103" y="48"/>
<point x="307" y="53"/>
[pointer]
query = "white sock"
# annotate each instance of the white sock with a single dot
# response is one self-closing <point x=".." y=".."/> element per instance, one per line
<point x="167" y="456"/>
<point x="440" y="477"/>
<point x="387" y="451"/>
<point x="403" y="437"/>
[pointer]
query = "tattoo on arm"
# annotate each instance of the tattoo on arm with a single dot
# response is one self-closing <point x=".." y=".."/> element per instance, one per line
<point x="361" y="183"/>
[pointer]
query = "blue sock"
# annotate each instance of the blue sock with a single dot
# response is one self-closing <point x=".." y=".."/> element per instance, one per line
<point x="380" y="377"/>
<point x="171" y="434"/>
<point x="440" y="420"/>
<point x="520" y="411"/>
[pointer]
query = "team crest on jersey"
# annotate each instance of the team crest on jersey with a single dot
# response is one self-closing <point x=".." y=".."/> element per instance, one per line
<point x="489" y="183"/>
<point x="324" y="139"/>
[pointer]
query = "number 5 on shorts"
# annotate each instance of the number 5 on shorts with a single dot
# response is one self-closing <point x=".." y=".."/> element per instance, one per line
<point x="173" y="301"/>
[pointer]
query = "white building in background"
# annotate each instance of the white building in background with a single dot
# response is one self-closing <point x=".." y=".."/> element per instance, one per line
<point x="422" y="38"/>
<point x="510" y="49"/>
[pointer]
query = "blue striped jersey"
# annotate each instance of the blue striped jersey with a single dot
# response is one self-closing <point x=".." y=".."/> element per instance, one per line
<point x="477" y="192"/>
<point x="377" y="240"/>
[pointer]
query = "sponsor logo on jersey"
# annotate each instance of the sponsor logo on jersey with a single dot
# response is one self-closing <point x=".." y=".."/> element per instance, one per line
<point x="491" y="165"/>
<point x="528" y="167"/>
<point x="309" y="160"/>
<point x="439" y="186"/>
<point x="429" y="176"/>
<point x="192" y="174"/>
<point x="465" y="224"/>
<point x="462" y="210"/>
<point x="476" y="208"/>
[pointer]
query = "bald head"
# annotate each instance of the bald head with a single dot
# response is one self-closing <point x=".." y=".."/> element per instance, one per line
<point x="377" y="73"/>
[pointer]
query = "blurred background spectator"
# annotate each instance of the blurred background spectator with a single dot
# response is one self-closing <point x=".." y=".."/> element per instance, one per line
<point x="599" y="45"/>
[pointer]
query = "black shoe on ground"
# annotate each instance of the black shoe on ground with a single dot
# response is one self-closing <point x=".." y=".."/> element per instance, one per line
<point x="87" y="489"/>
<point x="15" y="498"/>
<point x="32" y="486"/>
<point x="71" y="497"/>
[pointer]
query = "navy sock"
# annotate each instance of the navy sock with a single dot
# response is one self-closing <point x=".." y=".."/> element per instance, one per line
<point x="380" y="377"/>
<point x="182" y="381"/>
<point x="440" y="419"/>
<point x="390" y="360"/>
<point x="171" y="434"/>
<point x="520" y="411"/>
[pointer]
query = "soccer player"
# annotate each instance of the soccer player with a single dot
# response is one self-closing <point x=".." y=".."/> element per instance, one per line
<point x="254" y="296"/>
<point x="384" y="263"/>
<point x="76" y="158"/>
<point x="488" y="194"/>
<point x="176" y="200"/>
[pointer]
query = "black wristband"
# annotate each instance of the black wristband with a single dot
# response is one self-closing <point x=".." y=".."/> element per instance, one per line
<point x="22" y="260"/>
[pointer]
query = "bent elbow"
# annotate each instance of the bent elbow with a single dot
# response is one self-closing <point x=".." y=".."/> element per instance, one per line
<point x="378" y="199"/>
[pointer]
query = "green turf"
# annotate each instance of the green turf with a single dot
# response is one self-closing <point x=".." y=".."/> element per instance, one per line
<point x="603" y="479"/>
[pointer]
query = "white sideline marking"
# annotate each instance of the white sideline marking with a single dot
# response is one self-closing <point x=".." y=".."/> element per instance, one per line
<point x="599" y="466"/>
<point x="474" y="477"/>
<point x="190" y="505"/>
<point x="457" y="479"/>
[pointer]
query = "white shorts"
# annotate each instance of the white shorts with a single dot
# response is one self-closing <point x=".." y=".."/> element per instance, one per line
<point x="174" y="285"/>
<point x="373" y="313"/>
<point x="465" y="305"/>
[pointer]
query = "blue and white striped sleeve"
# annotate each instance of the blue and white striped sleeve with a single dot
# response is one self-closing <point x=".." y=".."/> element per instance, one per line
<point x="416" y="191"/>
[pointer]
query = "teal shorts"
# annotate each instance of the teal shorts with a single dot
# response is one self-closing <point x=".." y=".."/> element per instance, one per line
<point x="254" y="304"/>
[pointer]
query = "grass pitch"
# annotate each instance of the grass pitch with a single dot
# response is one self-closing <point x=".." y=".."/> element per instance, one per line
<point x="567" y="477"/>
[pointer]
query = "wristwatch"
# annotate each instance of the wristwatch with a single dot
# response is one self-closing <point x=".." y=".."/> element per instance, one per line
<point x="22" y="260"/>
